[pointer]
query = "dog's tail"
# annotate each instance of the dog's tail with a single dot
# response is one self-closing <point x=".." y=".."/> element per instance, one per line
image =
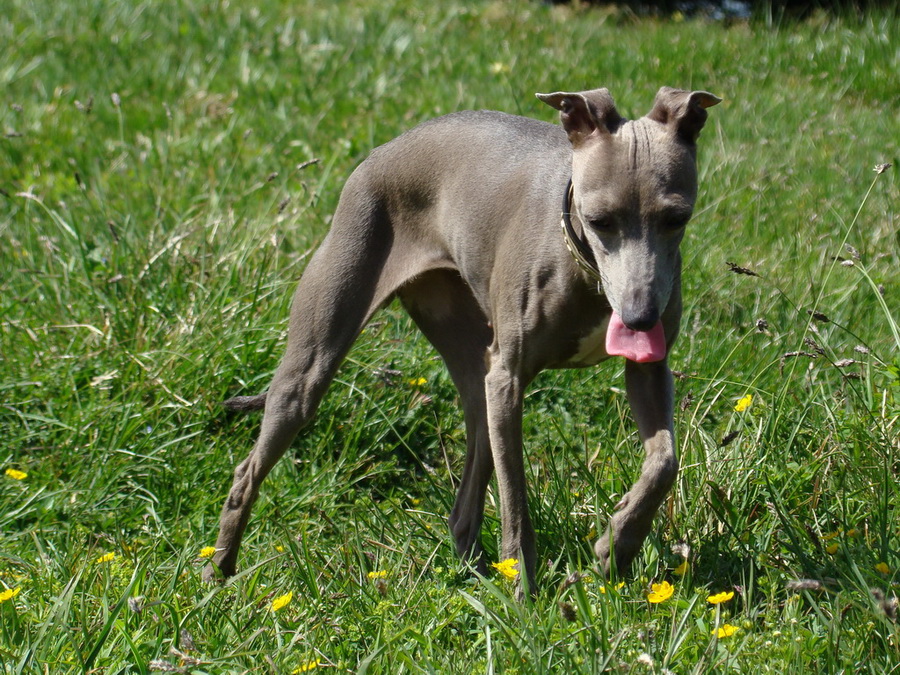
<point x="246" y="403"/>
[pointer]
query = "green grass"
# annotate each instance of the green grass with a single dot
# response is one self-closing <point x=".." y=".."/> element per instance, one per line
<point x="157" y="207"/>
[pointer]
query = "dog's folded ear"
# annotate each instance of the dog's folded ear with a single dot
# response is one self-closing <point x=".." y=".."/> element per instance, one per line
<point x="684" y="111"/>
<point x="584" y="113"/>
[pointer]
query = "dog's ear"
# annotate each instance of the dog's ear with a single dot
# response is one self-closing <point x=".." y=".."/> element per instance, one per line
<point x="584" y="113"/>
<point x="684" y="110"/>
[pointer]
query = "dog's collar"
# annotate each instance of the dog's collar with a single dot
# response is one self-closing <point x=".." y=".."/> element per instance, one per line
<point x="579" y="249"/>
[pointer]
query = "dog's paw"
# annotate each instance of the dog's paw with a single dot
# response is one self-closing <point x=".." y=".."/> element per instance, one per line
<point x="626" y="549"/>
<point x="603" y="551"/>
<point x="212" y="574"/>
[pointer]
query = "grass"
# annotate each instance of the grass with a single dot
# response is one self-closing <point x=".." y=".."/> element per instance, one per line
<point x="166" y="170"/>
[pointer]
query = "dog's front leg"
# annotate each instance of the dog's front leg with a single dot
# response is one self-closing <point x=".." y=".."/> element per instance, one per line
<point x="504" y="389"/>
<point x="650" y="394"/>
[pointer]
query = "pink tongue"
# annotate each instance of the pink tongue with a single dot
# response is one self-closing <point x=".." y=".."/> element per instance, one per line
<point x="635" y="345"/>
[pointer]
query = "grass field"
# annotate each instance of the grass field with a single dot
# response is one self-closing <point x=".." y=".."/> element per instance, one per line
<point x="166" y="170"/>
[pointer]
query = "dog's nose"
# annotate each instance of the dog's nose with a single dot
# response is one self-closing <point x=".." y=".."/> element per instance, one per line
<point x="641" y="320"/>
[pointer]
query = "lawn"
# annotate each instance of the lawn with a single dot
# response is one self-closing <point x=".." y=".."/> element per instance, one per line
<point x="166" y="170"/>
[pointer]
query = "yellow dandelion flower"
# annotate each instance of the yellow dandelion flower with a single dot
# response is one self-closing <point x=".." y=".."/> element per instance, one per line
<point x="617" y="587"/>
<point x="279" y="548"/>
<point x="282" y="601"/>
<point x="507" y="568"/>
<point x="15" y="474"/>
<point x="719" y="598"/>
<point x="107" y="557"/>
<point x="883" y="568"/>
<point x="417" y="381"/>
<point x="682" y="569"/>
<point x="831" y="549"/>
<point x="9" y="594"/>
<point x="207" y="552"/>
<point x="743" y="403"/>
<point x="660" y="592"/>
<point x="726" y="630"/>
<point x="377" y="574"/>
<point x="306" y="667"/>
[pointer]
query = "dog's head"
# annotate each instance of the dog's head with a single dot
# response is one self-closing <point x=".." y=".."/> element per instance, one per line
<point x="634" y="184"/>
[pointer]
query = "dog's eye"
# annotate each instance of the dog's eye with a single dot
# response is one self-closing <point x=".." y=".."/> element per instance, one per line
<point x="601" y="224"/>
<point x="677" y="223"/>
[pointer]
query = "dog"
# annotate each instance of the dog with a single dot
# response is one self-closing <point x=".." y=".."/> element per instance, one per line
<point x="515" y="245"/>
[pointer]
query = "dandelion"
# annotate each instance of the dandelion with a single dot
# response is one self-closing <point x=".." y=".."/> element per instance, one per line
<point x="279" y="548"/>
<point x="417" y="381"/>
<point x="883" y="568"/>
<point x="9" y="594"/>
<point x="682" y="549"/>
<point x="726" y="630"/>
<point x="377" y="574"/>
<point x="15" y="474"/>
<point x="282" y="601"/>
<point x="105" y="558"/>
<point x="306" y="667"/>
<point x="617" y="587"/>
<point x="682" y="569"/>
<point x="207" y="552"/>
<point x="660" y="592"/>
<point x="645" y="660"/>
<point x="507" y="568"/>
<point x="719" y="598"/>
<point x="743" y="403"/>
<point x="831" y="549"/>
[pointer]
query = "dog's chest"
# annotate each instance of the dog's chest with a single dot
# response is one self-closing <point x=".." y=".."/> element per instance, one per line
<point x="592" y="347"/>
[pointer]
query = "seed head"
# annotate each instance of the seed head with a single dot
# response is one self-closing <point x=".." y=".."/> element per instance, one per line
<point x="804" y="585"/>
<point x="737" y="269"/>
<point x="567" y="611"/>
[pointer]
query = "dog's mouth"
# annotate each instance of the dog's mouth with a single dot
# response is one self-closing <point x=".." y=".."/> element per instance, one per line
<point x="634" y="345"/>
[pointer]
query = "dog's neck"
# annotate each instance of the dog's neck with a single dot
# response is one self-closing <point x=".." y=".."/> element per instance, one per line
<point x="579" y="249"/>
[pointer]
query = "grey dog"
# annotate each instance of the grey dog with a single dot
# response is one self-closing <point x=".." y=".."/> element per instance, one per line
<point x="516" y="246"/>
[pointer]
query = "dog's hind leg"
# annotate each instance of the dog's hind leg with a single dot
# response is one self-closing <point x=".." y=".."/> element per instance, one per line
<point x="443" y="307"/>
<point x="351" y="275"/>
